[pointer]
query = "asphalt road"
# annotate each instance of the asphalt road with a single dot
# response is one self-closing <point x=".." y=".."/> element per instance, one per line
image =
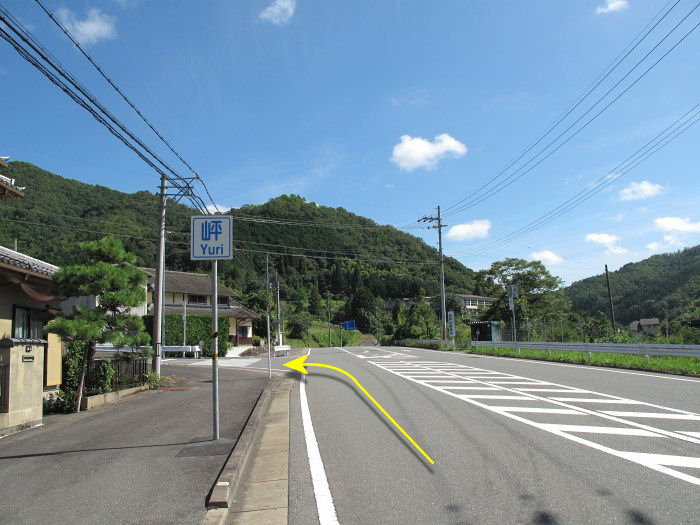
<point x="147" y="459"/>
<point x="513" y="442"/>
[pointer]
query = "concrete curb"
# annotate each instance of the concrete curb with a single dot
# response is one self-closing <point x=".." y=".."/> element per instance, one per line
<point x="90" y="402"/>
<point x="221" y="494"/>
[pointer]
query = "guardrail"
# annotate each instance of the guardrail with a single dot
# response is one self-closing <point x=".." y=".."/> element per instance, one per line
<point x="669" y="350"/>
<point x="424" y="342"/>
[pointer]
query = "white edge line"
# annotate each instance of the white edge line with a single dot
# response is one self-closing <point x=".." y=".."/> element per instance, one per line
<point x="322" y="492"/>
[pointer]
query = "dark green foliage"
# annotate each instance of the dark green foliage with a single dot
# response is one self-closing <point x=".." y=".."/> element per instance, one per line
<point x="315" y="301"/>
<point x="198" y="329"/>
<point x="540" y="293"/>
<point x="107" y="272"/>
<point x="395" y="264"/>
<point x="661" y="286"/>
<point x="299" y="324"/>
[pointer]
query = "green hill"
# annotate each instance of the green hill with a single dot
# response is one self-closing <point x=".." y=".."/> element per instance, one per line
<point x="661" y="286"/>
<point x="57" y="213"/>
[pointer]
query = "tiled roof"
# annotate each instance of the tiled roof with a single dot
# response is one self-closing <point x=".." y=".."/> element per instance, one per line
<point x="187" y="282"/>
<point x="25" y="262"/>
<point x="652" y="321"/>
<point x="233" y="310"/>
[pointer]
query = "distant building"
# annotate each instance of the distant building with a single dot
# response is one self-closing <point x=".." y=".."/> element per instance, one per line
<point x="8" y="187"/>
<point x="193" y="291"/>
<point x="471" y="304"/>
<point x="645" y="326"/>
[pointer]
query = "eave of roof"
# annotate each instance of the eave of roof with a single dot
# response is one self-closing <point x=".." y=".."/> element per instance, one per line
<point x="25" y="263"/>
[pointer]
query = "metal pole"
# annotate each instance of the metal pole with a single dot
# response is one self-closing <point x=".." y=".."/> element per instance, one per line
<point x="328" y="306"/>
<point x="184" y="324"/>
<point x="279" y="314"/>
<point x="267" y="285"/>
<point x="442" y="278"/>
<point x="340" y="329"/>
<point x="215" y="345"/>
<point x="158" y="292"/>
<point x="612" y="310"/>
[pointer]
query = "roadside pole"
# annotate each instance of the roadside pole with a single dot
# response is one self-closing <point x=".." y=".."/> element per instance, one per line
<point x="184" y="324"/>
<point x="340" y="329"/>
<point x="158" y="292"/>
<point x="439" y="227"/>
<point x="215" y="344"/>
<point x="267" y="288"/>
<point x="328" y="306"/>
<point x="279" y="314"/>
<point x="610" y="300"/>
<point x="512" y="294"/>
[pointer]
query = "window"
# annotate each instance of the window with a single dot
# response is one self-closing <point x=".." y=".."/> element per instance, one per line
<point x="27" y="323"/>
<point x="243" y="331"/>
<point x="197" y="299"/>
<point x="223" y="300"/>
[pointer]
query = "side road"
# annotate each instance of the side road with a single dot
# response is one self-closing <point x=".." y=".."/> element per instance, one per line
<point x="147" y="459"/>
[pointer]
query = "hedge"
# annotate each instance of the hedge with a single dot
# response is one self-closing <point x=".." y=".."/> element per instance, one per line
<point x="198" y="329"/>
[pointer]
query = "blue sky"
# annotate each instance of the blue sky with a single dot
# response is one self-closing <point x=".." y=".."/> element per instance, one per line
<point x="386" y="108"/>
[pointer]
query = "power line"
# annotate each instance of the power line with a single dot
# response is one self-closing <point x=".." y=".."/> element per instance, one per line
<point x="606" y="72"/>
<point x="513" y="178"/>
<point x="126" y="99"/>
<point x="89" y="102"/>
<point x="670" y="133"/>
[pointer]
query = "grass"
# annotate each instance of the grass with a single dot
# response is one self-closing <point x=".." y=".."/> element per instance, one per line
<point x="318" y="337"/>
<point x="689" y="366"/>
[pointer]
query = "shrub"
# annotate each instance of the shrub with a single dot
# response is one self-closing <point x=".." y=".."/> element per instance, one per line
<point x="256" y="340"/>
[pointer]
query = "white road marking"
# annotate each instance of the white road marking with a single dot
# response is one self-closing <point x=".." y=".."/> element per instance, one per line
<point x="652" y="415"/>
<point x="570" y="390"/>
<point x="657" y="375"/>
<point x="653" y="463"/>
<point x="691" y="434"/>
<point x="664" y="459"/>
<point x="536" y="410"/>
<point x="591" y="400"/>
<point x="487" y="396"/>
<point x="322" y="492"/>
<point x="599" y="430"/>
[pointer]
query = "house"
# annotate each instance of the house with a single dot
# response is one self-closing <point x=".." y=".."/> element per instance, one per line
<point x="30" y="359"/>
<point x="193" y="292"/>
<point x="645" y="326"/>
<point x="8" y="187"/>
<point x="471" y="304"/>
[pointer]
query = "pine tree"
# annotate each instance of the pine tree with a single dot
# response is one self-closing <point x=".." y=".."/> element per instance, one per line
<point x="108" y="273"/>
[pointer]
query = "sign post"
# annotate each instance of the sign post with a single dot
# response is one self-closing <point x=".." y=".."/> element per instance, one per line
<point x="211" y="239"/>
<point x="452" y="332"/>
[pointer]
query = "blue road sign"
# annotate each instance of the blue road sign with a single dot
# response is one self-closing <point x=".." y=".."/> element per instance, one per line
<point x="348" y="325"/>
<point x="211" y="237"/>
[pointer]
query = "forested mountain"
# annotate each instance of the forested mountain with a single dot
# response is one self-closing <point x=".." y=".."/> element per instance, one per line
<point x="661" y="286"/>
<point x="331" y="248"/>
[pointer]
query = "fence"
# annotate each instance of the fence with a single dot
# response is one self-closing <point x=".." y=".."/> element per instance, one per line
<point x="109" y="375"/>
<point x="614" y="348"/>
<point x="4" y="387"/>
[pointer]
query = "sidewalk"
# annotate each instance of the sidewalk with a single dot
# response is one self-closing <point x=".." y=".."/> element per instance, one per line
<point x="147" y="459"/>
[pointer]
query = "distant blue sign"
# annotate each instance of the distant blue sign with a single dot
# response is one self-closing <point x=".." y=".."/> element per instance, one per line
<point x="348" y="325"/>
<point x="211" y="237"/>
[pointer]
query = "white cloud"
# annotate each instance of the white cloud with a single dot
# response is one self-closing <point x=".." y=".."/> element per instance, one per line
<point x="677" y="224"/>
<point x="278" y="12"/>
<point x="94" y="27"/>
<point x="416" y="152"/>
<point x="617" y="218"/>
<point x="417" y="97"/>
<point x="640" y="190"/>
<point x="477" y="229"/>
<point x="671" y="241"/>
<point x="612" y="6"/>
<point x="607" y="240"/>
<point x="547" y="257"/>
<point x="216" y="208"/>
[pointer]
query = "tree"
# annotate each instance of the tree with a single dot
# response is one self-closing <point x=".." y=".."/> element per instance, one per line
<point x="315" y="301"/>
<point x="107" y="272"/>
<point x="299" y="324"/>
<point x="540" y="293"/>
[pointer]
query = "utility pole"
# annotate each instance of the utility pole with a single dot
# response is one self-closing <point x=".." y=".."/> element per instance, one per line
<point x="267" y="305"/>
<point x="439" y="226"/>
<point x="215" y="344"/>
<point x="612" y="310"/>
<point x="328" y="306"/>
<point x="279" y="314"/>
<point x="158" y="292"/>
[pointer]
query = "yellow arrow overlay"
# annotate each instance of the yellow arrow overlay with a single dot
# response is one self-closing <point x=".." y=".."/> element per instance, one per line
<point x="299" y="365"/>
